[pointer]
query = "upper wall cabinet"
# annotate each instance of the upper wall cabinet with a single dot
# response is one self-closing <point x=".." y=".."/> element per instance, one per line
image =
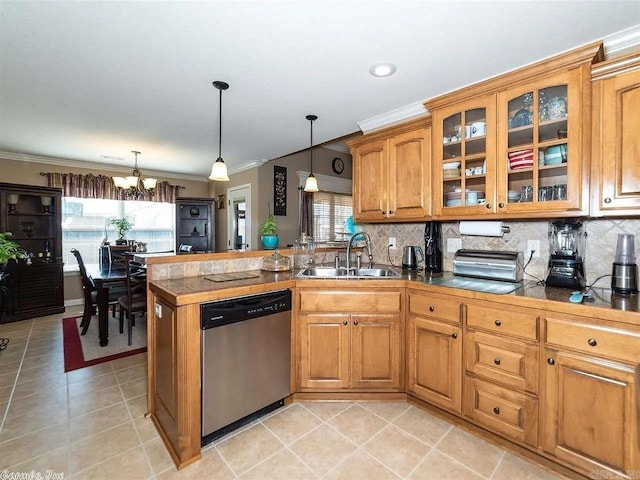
<point x="516" y="144"/>
<point x="392" y="174"/>
<point x="615" y="185"/>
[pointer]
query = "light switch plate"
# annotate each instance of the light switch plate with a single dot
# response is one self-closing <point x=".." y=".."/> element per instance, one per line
<point x="454" y="244"/>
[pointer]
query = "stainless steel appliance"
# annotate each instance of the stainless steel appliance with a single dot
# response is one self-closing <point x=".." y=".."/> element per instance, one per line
<point x="411" y="257"/>
<point x="489" y="264"/>
<point x="624" y="278"/>
<point x="246" y="360"/>
<point x="567" y="246"/>
<point x="433" y="248"/>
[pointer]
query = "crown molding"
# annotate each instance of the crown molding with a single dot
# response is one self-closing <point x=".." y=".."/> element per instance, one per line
<point x="621" y="42"/>
<point x="246" y="166"/>
<point x="394" y="116"/>
<point x="65" y="162"/>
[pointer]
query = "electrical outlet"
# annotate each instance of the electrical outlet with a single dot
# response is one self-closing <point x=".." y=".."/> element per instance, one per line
<point x="454" y="244"/>
<point x="392" y="243"/>
<point x="532" y="245"/>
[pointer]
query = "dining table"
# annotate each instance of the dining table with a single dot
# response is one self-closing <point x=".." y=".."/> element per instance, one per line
<point x="105" y="277"/>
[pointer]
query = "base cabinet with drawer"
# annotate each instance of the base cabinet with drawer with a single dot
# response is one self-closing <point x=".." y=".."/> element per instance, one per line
<point x="359" y="350"/>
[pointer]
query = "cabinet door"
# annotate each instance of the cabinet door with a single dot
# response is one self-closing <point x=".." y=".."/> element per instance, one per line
<point x="370" y="178"/>
<point x="617" y="146"/>
<point x="435" y="362"/>
<point x="464" y="158"/>
<point x="165" y="372"/>
<point x="35" y="290"/>
<point x="541" y="156"/>
<point x="324" y="351"/>
<point x="375" y="351"/>
<point x="410" y="175"/>
<point x="589" y="413"/>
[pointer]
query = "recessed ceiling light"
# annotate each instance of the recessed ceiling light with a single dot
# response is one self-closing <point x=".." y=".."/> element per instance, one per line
<point x="382" y="70"/>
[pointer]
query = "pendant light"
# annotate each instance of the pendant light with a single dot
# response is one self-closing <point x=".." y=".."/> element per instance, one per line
<point x="311" y="184"/>
<point x="219" y="169"/>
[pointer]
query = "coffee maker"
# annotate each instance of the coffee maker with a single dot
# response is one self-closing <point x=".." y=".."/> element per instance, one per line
<point x="624" y="278"/>
<point x="433" y="248"/>
<point x="566" y="263"/>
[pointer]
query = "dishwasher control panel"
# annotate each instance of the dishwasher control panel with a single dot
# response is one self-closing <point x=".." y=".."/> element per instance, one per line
<point x="237" y="309"/>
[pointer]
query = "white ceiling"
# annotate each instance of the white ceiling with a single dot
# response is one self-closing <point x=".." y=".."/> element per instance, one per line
<point x="80" y="80"/>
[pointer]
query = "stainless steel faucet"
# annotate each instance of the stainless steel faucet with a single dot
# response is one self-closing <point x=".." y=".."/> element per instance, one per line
<point x="368" y="245"/>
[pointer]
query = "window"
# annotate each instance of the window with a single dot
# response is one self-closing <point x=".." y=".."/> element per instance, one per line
<point x="330" y="212"/>
<point x="86" y="222"/>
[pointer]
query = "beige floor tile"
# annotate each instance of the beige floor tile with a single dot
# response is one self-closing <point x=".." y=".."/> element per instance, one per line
<point x="292" y="423"/>
<point x="210" y="462"/>
<point x="5" y="393"/>
<point x="361" y="466"/>
<point x="41" y="375"/>
<point x="88" y="372"/>
<point x="358" y="424"/>
<point x="89" y="451"/>
<point x="438" y="467"/>
<point x="130" y="361"/>
<point x="146" y="429"/>
<point x="397" y="450"/>
<point x="132" y="373"/>
<point x="422" y="425"/>
<point x="326" y="410"/>
<point x="245" y="450"/>
<point x="322" y="449"/>
<point x="134" y="388"/>
<point x="137" y="405"/>
<point x="38" y="361"/>
<point x="515" y="468"/>
<point x="92" y="400"/>
<point x="282" y="465"/>
<point x="7" y="379"/>
<point x="33" y="445"/>
<point x="387" y="410"/>
<point x="98" y="382"/>
<point x="158" y="455"/>
<point x="32" y="420"/>
<point x="98" y="421"/>
<point x="56" y="384"/>
<point x="44" y="400"/>
<point x="10" y="366"/>
<point x="55" y="461"/>
<point x="130" y="465"/>
<point x="475" y="453"/>
<point x="11" y="355"/>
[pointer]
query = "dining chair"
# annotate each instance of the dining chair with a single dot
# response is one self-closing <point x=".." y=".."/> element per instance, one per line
<point x="91" y="294"/>
<point x="135" y="300"/>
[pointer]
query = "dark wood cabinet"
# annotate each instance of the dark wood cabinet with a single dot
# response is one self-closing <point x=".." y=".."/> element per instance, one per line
<point x="194" y="225"/>
<point x="33" y="216"/>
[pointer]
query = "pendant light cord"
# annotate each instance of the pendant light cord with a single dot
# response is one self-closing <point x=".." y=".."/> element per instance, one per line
<point x="220" y="128"/>
<point x="311" y="119"/>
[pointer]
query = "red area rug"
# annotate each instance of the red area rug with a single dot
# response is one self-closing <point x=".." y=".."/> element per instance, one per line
<point x="74" y="357"/>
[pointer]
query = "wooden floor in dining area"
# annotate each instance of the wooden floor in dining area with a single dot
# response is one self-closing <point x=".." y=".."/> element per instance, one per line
<point x="89" y="424"/>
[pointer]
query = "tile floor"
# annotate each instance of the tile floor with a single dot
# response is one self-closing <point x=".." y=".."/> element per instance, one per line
<point x="89" y="424"/>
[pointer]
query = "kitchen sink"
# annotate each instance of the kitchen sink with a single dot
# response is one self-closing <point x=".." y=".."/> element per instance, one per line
<point x="325" y="272"/>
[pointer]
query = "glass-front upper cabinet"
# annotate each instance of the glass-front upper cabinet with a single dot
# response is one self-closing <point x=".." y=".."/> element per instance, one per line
<point x="540" y="146"/>
<point x="464" y="163"/>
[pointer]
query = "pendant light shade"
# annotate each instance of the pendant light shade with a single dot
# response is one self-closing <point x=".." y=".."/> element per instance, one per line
<point x="311" y="185"/>
<point x="219" y="169"/>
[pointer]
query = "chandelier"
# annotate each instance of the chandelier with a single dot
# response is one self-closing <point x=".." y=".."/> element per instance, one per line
<point x="135" y="186"/>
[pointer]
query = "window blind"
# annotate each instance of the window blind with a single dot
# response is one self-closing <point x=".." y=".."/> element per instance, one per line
<point x="330" y="212"/>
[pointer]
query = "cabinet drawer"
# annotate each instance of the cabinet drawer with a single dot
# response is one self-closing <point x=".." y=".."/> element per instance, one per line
<point x="505" y="361"/>
<point x="430" y="305"/>
<point x="594" y="339"/>
<point x="350" y="301"/>
<point x="501" y="409"/>
<point x="507" y="322"/>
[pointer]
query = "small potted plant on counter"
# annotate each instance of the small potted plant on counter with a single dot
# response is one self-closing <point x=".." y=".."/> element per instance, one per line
<point x="123" y="226"/>
<point x="268" y="233"/>
<point x="9" y="250"/>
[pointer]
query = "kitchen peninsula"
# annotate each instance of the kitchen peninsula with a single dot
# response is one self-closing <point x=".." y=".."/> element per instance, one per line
<point x="524" y="356"/>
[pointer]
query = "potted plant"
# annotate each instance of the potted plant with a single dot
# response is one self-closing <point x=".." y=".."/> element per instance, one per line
<point x="123" y="226"/>
<point x="268" y="233"/>
<point x="9" y="250"/>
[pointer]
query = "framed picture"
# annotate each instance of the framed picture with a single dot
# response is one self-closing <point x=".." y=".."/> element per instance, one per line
<point x="279" y="190"/>
<point x="222" y="202"/>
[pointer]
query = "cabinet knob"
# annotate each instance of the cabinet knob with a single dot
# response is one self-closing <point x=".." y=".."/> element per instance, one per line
<point x="607" y="200"/>
<point x="384" y="212"/>
<point x="592" y="342"/>
<point x="551" y="361"/>
<point x="496" y="410"/>
<point x="501" y="205"/>
<point x="498" y="323"/>
<point x="432" y="308"/>
<point x="344" y="322"/>
<point x="488" y="205"/>
<point x="496" y="361"/>
<point x="390" y="212"/>
<point x="454" y="335"/>
<point x="355" y="322"/>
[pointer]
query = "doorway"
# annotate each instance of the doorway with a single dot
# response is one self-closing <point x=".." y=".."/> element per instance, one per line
<point x="239" y="217"/>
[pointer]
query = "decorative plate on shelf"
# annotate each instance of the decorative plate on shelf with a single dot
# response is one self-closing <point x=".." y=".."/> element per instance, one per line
<point x="194" y="212"/>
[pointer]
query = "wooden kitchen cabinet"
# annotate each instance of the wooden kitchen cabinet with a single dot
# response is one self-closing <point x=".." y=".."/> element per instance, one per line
<point x="358" y="350"/>
<point x="540" y="114"/>
<point x="392" y="173"/>
<point x="615" y="185"/>
<point x="434" y="349"/>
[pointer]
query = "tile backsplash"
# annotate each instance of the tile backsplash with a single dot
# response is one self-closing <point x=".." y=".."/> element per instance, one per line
<point x="602" y="236"/>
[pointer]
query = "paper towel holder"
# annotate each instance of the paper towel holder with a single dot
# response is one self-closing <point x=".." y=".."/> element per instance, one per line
<point x="483" y="228"/>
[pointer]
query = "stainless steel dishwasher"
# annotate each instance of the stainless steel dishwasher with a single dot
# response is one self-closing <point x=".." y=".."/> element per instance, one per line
<point x="246" y="360"/>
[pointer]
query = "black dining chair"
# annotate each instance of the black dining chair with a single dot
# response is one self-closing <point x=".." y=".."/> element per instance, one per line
<point x="90" y="294"/>
<point x="135" y="300"/>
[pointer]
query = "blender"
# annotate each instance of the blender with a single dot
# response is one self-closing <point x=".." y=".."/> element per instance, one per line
<point x="624" y="278"/>
<point x="566" y="263"/>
